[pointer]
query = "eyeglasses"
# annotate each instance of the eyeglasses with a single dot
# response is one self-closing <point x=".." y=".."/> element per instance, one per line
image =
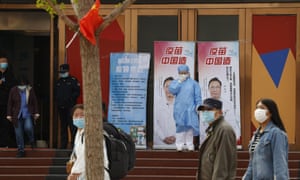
<point x="215" y="87"/>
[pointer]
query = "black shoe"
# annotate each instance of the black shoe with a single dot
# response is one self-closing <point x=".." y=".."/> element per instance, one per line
<point x="33" y="145"/>
<point x="20" y="154"/>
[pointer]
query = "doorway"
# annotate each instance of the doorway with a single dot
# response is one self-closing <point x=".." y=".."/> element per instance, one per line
<point x="29" y="54"/>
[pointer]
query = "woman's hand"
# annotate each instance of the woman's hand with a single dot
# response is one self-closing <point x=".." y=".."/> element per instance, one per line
<point x="73" y="176"/>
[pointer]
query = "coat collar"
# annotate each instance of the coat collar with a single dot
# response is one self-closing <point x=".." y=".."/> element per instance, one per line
<point x="269" y="126"/>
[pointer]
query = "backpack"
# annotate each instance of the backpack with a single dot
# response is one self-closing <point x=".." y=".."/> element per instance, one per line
<point x="120" y="151"/>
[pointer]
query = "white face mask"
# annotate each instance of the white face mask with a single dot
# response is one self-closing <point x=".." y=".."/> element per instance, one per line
<point x="260" y="115"/>
<point x="182" y="77"/>
<point x="22" y="87"/>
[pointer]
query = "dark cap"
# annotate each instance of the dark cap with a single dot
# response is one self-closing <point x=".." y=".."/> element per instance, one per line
<point x="210" y="103"/>
<point x="64" y="68"/>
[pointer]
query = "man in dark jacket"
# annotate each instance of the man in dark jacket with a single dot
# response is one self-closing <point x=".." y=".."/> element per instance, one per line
<point x="7" y="81"/>
<point x="217" y="154"/>
<point x="67" y="90"/>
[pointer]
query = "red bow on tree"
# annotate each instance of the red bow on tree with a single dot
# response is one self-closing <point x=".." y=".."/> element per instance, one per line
<point x="90" y="22"/>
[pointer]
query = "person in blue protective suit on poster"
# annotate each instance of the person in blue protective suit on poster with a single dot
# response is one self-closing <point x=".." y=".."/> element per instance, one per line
<point x="187" y="94"/>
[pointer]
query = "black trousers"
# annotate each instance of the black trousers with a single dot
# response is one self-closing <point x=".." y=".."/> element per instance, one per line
<point x="66" y="122"/>
<point x="7" y="133"/>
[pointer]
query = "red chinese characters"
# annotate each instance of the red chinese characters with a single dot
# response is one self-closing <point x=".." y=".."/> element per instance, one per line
<point x="217" y="56"/>
<point x="173" y="55"/>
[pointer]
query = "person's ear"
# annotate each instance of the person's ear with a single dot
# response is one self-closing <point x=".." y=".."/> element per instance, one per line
<point x="218" y="113"/>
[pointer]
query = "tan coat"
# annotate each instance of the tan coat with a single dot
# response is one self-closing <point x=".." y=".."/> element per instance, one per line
<point x="217" y="154"/>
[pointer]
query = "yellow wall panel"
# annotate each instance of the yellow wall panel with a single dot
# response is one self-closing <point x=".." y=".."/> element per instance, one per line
<point x="284" y="95"/>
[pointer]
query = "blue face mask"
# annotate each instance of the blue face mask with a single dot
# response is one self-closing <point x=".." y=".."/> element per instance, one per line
<point x="3" y="65"/>
<point x="207" y="116"/>
<point x="79" y="122"/>
<point x="64" y="75"/>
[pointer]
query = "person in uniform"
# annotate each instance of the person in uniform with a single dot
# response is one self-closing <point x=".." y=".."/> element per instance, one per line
<point x="7" y="81"/>
<point x="67" y="90"/>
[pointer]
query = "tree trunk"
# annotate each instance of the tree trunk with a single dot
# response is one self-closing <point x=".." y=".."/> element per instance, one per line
<point x="93" y="110"/>
<point x="92" y="99"/>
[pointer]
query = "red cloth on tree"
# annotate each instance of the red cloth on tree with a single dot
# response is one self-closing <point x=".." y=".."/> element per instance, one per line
<point x="90" y="22"/>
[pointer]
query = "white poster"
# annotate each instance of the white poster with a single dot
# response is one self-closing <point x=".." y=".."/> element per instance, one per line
<point x="168" y="55"/>
<point x="218" y="65"/>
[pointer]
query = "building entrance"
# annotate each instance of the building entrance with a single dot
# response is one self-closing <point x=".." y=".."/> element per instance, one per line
<point x="28" y="50"/>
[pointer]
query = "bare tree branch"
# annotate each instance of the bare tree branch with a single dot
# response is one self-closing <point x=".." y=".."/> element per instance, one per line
<point x="114" y="14"/>
<point x="107" y="19"/>
<point x="73" y="26"/>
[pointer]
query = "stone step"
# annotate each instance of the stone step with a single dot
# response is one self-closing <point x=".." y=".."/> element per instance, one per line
<point x="38" y="152"/>
<point x="32" y="161"/>
<point x="33" y="177"/>
<point x="49" y="164"/>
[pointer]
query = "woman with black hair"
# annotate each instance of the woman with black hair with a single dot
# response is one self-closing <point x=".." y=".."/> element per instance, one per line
<point x="78" y="155"/>
<point x="268" y="147"/>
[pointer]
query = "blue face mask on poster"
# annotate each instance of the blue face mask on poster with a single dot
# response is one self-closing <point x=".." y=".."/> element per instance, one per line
<point x="79" y="122"/>
<point x="207" y="116"/>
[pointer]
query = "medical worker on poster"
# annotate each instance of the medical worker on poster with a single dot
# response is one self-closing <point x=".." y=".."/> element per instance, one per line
<point x="218" y="67"/>
<point x="164" y="123"/>
<point x="215" y="91"/>
<point x="187" y="94"/>
<point x="168" y="55"/>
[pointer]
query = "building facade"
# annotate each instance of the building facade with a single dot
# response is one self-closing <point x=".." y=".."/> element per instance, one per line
<point x="37" y="44"/>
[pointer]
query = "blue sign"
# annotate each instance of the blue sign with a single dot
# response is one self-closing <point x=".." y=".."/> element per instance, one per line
<point x="128" y="94"/>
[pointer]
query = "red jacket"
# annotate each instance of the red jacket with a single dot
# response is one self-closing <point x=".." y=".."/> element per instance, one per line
<point x="14" y="104"/>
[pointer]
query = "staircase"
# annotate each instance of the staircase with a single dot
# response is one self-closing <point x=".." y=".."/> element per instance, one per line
<point x="38" y="164"/>
<point x="49" y="164"/>
<point x="167" y="165"/>
<point x="164" y="165"/>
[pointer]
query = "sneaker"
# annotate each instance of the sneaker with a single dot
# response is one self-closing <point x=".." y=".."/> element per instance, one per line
<point x="191" y="149"/>
<point x="179" y="149"/>
<point x="20" y="154"/>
